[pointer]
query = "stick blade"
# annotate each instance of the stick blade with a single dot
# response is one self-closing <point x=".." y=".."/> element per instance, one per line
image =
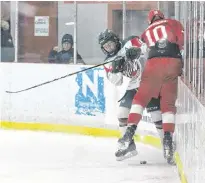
<point x="9" y="92"/>
<point x="12" y="91"/>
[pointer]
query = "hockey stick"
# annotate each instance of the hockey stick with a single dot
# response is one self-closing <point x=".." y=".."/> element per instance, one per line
<point x="56" y="79"/>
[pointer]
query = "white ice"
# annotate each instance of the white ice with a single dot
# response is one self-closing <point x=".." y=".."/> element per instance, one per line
<point x="43" y="157"/>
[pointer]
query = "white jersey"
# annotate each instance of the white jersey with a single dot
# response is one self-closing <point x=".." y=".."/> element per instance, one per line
<point x="132" y="69"/>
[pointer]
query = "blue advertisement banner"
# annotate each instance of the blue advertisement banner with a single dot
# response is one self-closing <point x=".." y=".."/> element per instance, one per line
<point x="90" y="98"/>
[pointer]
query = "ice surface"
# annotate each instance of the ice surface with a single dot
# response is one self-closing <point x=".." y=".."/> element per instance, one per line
<point x="43" y="157"/>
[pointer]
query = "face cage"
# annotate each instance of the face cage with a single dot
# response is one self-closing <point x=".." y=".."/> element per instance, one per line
<point x="108" y="53"/>
<point x="154" y="18"/>
<point x="113" y="52"/>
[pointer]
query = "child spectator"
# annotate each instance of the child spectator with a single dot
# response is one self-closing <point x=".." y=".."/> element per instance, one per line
<point x="66" y="54"/>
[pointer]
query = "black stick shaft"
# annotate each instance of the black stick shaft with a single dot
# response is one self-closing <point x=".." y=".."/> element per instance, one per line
<point x="56" y="79"/>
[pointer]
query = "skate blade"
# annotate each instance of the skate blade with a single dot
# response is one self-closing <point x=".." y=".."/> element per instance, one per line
<point x="128" y="155"/>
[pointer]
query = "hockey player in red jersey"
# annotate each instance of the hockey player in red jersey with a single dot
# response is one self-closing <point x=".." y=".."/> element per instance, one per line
<point x="127" y="62"/>
<point x="164" y="39"/>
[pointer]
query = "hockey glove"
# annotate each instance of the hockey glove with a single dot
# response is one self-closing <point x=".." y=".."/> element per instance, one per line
<point x="117" y="64"/>
<point x="133" y="53"/>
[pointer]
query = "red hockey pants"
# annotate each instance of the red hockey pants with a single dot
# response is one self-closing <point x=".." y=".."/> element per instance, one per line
<point x="159" y="78"/>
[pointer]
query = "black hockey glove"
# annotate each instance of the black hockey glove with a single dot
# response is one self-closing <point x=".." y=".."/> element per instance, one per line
<point x="117" y="64"/>
<point x="133" y="53"/>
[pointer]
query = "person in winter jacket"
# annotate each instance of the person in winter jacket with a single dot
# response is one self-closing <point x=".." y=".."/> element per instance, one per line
<point x="7" y="46"/>
<point x="66" y="54"/>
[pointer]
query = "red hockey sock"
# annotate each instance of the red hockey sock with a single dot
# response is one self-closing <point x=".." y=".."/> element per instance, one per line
<point x="134" y="118"/>
<point x="168" y="127"/>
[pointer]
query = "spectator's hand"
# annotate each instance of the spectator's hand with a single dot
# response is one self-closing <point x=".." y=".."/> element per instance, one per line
<point x="4" y="25"/>
<point x="56" y="48"/>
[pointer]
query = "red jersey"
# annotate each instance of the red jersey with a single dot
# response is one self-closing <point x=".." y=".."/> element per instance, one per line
<point x="168" y="29"/>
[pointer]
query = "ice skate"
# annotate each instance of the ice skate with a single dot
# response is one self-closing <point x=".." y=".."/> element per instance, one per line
<point x="168" y="148"/>
<point x="126" y="145"/>
<point x="125" y="153"/>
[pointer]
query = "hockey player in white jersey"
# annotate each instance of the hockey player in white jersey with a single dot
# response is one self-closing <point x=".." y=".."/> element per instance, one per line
<point x="128" y="61"/>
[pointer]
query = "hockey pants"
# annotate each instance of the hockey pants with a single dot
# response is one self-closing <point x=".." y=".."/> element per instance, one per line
<point x="159" y="79"/>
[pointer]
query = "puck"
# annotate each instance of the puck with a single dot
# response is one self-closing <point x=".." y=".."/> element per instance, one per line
<point x="143" y="162"/>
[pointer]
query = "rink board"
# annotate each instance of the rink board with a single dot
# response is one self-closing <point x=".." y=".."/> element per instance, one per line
<point x="85" y="103"/>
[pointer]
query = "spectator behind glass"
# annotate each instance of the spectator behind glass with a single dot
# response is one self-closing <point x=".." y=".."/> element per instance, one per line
<point x="66" y="55"/>
<point x="7" y="46"/>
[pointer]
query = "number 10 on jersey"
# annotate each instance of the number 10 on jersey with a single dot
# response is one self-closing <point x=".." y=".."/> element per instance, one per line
<point x="154" y="35"/>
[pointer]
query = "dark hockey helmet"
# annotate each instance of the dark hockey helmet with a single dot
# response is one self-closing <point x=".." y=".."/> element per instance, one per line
<point x="109" y="36"/>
